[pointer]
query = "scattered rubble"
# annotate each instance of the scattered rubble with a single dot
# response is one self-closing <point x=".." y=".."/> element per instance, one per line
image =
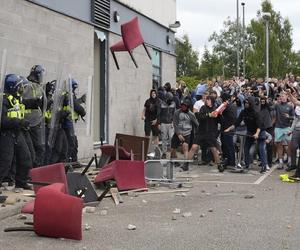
<point x="210" y="210"/>
<point x="131" y="227"/>
<point x="187" y="214"/>
<point x="174" y="217"/>
<point x="217" y="185"/>
<point x="181" y="194"/>
<point x="87" y="227"/>
<point x="202" y="215"/>
<point x="21" y="217"/>
<point x="103" y="212"/>
<point x="238" y="214"/>
<point x="176" y="211"/>
<point x="132" y="194"/>
<point x="144" y="201"/>
<point x="249" y="196"/>
<point x="89" y="210"/>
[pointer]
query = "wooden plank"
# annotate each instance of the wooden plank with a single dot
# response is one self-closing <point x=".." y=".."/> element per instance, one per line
<point x="166" y="191"/>
<point x="114" y="194"/>
<point x="126" y="192"/>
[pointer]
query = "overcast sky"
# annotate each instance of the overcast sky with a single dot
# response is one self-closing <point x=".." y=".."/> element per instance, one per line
<point x="200" y="18"/>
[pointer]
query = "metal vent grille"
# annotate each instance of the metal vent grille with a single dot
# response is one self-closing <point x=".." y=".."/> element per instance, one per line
<point x="101" y="12"/>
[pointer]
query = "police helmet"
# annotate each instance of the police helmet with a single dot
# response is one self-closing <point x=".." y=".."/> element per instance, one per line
<point x="13" y="84"/>
<point x="36" y="74"/>
<point x="50" y="87"/>
<point x="74" y="84"/>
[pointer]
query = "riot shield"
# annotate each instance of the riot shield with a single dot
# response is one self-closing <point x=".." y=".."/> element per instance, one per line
<point x="33" y="92"/>
<point x="56" y="109"/>
<point x="89" y="105"/>
<point x="2" y="79"/>
<point x="71" y="105"/>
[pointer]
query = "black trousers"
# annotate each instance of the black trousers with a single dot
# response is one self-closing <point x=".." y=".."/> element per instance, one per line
<point x="37" y="135"/>
<point x="72" y="144"/>
<point x="15" y="157"/>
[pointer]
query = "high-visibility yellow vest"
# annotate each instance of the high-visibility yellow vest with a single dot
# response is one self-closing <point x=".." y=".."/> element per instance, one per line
<point x="17" y="110"/>
<point x="74" y="115"/>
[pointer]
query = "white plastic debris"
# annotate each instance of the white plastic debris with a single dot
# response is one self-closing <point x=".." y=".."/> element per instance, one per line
<point x="187" y="214"/>
<point x="176" y="211"/>
<point x="131" y="227"/>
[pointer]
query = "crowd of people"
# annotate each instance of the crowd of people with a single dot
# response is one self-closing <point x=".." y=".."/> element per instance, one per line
<point x="263" y="115"/>
<point x="37" y="124"/>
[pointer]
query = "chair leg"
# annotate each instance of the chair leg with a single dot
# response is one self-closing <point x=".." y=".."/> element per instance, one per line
<point x="133" y="59"/>
<point x="147" y="51"/>
<point x="115" y="59"/>
<point x="16" y="229"/>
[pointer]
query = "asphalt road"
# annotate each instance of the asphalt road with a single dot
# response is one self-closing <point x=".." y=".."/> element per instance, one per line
<point x="220" y="218"/>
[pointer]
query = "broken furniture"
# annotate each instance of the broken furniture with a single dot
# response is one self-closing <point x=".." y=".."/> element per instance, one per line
<point x="127" y="174"/>
<point x="56" y="214"/>
<point x="131" y="38"/>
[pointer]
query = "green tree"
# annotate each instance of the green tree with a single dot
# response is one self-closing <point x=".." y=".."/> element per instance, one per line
<point x="187" y="58"/>
<point x="225" y="46"/>
<point x="281" y="57"/>
<point x="211" y="65"/>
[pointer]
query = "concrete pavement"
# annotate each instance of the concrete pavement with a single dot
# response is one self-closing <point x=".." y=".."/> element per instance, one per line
<point x="221" y="217"/>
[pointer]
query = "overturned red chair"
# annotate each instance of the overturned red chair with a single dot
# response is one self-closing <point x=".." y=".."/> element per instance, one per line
<point x="54" y="173"/>
<point x="127" y="174"/>
<point x="109" y="154"/>
<point x="131" y="38"/>
<point x="56" y="214"/>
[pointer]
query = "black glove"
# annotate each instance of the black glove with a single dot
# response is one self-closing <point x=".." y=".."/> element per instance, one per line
<point x="83" y="98"/>
<point x="24" y="124"/>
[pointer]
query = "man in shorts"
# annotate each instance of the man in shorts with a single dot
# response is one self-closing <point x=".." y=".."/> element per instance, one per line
<point x="183" y="121"/>
<point x="284" y="114"/>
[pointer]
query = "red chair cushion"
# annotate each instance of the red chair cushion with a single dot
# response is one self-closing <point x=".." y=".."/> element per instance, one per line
<point x="127" y="174"/>
<point x="57" y="214"/>
<point x="110" y="150"/>
<point x="54" y="173"/>
<point x="131" y="34"/>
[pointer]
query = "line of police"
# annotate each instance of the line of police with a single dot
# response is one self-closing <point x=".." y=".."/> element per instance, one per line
<point x="36" y="128"/>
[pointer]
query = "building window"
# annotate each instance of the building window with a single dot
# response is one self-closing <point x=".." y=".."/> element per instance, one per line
<point x="156" y="69"/>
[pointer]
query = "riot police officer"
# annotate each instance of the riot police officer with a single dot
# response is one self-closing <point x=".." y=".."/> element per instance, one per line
<point x="15" y="158"/>
<point x="77" y="111"/>
<point x="57" y="145"/>
<point x="33" y="98"/>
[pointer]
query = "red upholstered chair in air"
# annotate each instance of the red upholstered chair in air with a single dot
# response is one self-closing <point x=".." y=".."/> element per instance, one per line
<point x="127" y="174"/>
<point x="56" y="214"/>
<point x="54" y="173"/>
<point x="131" y="38"/>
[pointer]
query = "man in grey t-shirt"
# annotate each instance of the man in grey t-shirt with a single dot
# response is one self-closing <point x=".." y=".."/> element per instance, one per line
<point x="284" y="114"/>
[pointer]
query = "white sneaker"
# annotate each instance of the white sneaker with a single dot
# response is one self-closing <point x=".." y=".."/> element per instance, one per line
<point x="267" y="168"/>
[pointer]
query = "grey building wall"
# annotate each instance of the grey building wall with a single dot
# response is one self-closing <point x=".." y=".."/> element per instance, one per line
<point x="35" y="35"/>
<point x="168" y="69"/>
<point x="128" y="89"/>
<point x="80" y="9"/>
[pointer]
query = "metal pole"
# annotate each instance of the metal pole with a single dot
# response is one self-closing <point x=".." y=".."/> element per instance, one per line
<point x="267" y="51"/>
<point x="238" y="39"/>
<point x="244" y="52"/>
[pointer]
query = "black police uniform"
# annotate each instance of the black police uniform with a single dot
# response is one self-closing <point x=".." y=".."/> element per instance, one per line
<point x="15" y="158"/>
